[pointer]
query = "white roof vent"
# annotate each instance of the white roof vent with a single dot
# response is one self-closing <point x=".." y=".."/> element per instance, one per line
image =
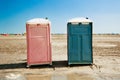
<point x="38" y="21"/>
<point x="79" y="20"/>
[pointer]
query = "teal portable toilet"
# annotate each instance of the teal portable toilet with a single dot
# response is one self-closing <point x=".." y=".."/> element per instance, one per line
<point x="79" y="41"/>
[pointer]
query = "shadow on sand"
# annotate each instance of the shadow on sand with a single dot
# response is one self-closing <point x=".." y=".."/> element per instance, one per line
<point x="55" y="64"/>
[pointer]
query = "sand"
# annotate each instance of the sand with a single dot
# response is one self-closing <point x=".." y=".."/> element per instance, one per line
<point x="106" y="57"/>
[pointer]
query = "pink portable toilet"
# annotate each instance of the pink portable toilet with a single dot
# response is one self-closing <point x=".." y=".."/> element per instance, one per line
<point x="38" y="42"/>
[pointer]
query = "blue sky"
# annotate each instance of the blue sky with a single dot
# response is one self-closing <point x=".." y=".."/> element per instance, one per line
<point x="105" y="14"/>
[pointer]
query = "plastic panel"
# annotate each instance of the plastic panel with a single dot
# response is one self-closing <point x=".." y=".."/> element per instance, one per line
<point x="38" y="44"/>
<point x="79" y="43"/>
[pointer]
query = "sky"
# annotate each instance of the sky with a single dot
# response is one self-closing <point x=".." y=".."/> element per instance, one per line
<point x="105" y="14"/>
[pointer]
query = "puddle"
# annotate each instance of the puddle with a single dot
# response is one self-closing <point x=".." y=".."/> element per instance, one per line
<point x="59" y="77"/>
<point x="81" y="76"/>
<point x="72" y="76"/>
<point x="38" y="77"/>
<point x="12" y="76"/>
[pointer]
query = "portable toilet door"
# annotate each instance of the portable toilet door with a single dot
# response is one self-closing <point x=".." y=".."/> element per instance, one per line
<point x="38" y="42"/>
<point x="79" y="41"/>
